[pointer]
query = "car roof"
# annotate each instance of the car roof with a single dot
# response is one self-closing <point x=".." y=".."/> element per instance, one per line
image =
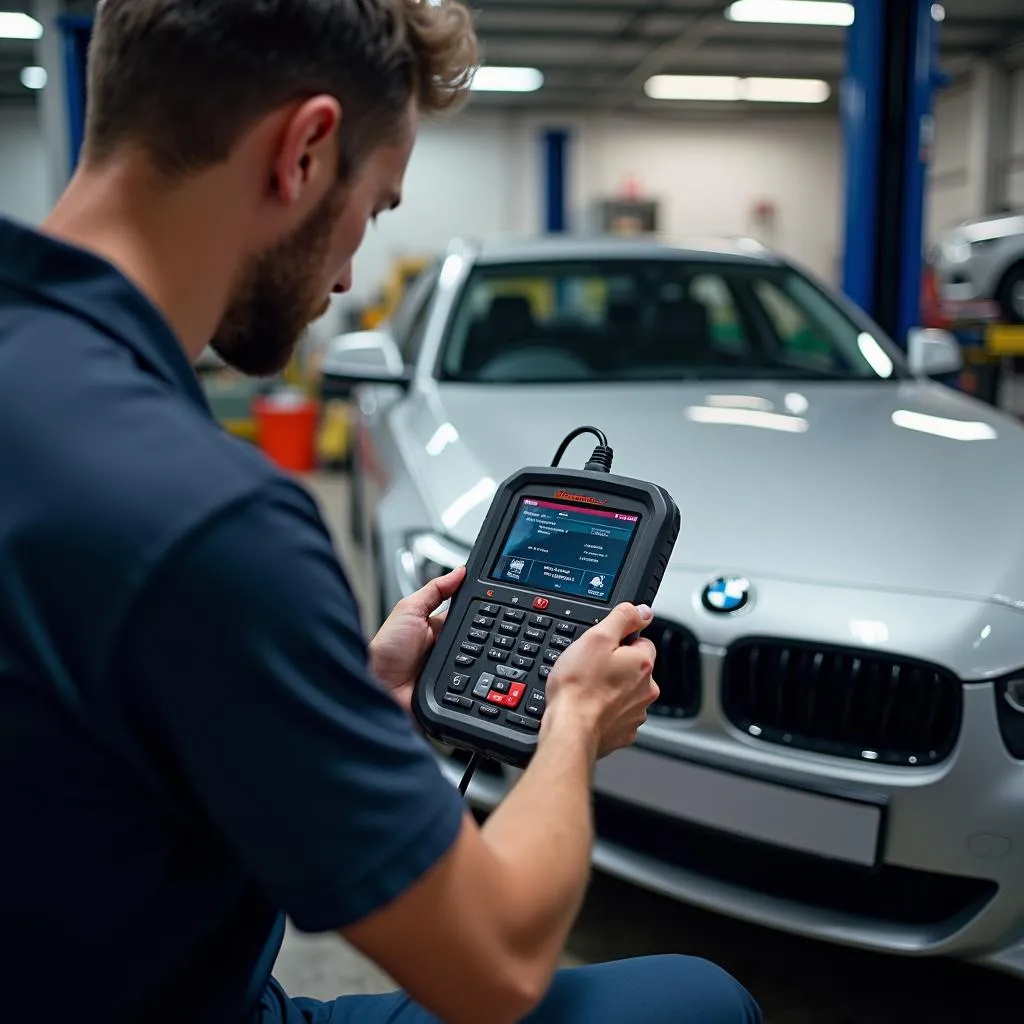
<point x="611" y="247"/>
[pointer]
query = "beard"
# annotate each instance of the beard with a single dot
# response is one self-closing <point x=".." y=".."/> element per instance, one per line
<point x="277" y="296"/>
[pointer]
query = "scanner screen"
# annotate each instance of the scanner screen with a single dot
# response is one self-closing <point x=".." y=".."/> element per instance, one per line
<point x="559" y="548"/>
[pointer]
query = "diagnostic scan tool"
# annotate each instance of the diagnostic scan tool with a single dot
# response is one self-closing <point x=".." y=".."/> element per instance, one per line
<point x="558" y="550"/>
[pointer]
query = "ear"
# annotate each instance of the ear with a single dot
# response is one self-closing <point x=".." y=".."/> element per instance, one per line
<point x="306" y="157"/>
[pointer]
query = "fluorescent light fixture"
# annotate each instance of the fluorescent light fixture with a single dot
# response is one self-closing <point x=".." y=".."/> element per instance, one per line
<point x="721" y="88"/>
<point x="941" y="426"/>
<point x="693" y="87"/>
<point x="495" y="79"/>
<point x="791" y="12"/>
<point x="33" y="78"/>
<point x="786" y="90"/>
<point x="19" y="26"/>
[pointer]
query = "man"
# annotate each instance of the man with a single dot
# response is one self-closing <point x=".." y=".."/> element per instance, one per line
<point x="194" y="739"/>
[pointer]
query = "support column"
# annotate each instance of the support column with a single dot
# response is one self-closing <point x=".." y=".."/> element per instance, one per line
<point x="556" y="180"/>
<point x="891" y="74"/>
<point x="52" y="107"/>
<point x="989" y="139"/>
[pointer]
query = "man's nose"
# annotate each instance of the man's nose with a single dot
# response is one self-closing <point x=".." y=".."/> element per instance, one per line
<point x="344" y="282"/>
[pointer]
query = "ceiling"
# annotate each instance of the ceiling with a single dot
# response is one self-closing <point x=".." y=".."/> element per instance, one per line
<point x="597" y="54"/>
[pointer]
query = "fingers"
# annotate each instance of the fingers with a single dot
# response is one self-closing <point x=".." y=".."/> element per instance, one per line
<point x="429" y="598"/>
<point x="626" y="619"/>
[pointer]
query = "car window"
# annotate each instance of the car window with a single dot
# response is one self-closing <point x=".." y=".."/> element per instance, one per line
<point x="727" y="329"/>
<point x="802" y="340"/>
<point x="653" y="319"/>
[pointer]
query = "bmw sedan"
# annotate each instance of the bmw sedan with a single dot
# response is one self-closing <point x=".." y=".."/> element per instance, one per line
<point x="839" y="746"/>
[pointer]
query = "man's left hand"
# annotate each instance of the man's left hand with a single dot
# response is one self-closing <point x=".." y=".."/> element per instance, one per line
<point x="400" y="648"/>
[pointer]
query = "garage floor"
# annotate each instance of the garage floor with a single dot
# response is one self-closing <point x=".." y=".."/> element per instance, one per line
<point x="796" y="982"/>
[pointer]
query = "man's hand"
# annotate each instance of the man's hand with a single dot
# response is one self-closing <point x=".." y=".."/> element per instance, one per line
<point x="400" y="648"/>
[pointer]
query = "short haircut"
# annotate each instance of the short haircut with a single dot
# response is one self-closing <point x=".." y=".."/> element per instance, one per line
<point x="185" y="79"/>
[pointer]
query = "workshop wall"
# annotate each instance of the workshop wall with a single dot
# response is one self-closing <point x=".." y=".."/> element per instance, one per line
<point x="1015" y="184"/>
<point x="711" y="177"/>
<point x="24" y="175"/>
<point x="949" y="197"/>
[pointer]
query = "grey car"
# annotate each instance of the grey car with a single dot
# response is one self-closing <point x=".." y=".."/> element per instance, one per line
<point x="982" y="260"/>
<point x="839" y="746"/>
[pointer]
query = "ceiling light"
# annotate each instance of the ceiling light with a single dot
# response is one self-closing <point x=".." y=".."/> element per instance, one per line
<point x="786" y="90"/>
<point x="19" y="26"/>
<point x="33" y="78"/>
<point x="493" y="79"/>
<point x="734" y="90"/>
<point x="693" y="87"/>
<point x="791" y="12"/>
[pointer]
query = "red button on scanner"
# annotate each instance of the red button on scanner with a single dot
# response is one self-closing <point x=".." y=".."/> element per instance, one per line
<point x="510" y="699"/>
<point x="541" y="603"/>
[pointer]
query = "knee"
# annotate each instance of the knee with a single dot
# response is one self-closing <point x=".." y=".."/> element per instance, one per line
<point x="710" y="995"/>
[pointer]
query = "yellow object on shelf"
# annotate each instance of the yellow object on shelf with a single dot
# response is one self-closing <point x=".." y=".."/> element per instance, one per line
<point x="334" y="436"/>
<point x="1004" y="340"/>
<point x="403" y="272"/>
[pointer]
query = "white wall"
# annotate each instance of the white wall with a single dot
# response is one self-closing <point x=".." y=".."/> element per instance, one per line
<point x="708" y="177"/>
<point x="1015" y="183"/>
<point x="24" y="175"/>
<point x="949" y="193"/>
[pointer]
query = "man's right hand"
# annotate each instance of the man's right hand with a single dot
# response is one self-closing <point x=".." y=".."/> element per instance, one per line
<point x="602" y="685"/>
<point x="479" y="937"/>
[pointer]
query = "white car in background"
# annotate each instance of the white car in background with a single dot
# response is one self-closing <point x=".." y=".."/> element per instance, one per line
<point x="982" y="260"/>
<point x="839" y="746"/>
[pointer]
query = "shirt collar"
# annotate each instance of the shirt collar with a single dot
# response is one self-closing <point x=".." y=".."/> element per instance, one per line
<point x="65" y="277"/>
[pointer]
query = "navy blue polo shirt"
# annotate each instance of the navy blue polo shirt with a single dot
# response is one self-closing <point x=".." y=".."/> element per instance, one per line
<point x="191" y="744"/>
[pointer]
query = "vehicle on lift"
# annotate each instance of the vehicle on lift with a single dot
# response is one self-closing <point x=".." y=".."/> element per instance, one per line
<point x="838" y="750"/>
<point x="982" y="260"/>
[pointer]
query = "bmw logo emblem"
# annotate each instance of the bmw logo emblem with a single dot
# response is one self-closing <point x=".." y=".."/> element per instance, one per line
<point x="726" y="595"/>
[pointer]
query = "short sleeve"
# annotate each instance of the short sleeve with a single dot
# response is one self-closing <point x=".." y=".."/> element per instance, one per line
<point x="245" y="652"/>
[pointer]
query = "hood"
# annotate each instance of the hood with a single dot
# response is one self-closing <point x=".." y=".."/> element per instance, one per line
<point x="982" y="229"/>
<point x="882" y="485"/>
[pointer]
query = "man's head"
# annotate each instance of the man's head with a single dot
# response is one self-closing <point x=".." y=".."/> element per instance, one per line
<point x="313" y="104"/>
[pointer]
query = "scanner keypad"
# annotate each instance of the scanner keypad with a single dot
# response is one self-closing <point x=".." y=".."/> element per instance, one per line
<point x="503" y="656"/>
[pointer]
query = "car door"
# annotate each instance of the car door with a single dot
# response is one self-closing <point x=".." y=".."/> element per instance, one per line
<point x="377" y="458"/>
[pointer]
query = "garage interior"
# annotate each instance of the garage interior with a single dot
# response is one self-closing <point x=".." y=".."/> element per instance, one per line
<point x="878" y="145"/>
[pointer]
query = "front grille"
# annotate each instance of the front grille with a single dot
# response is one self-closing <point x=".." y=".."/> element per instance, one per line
<point x="676" y="670"/>
<point x="843" y="702"/>
<point x="889" y="894"/>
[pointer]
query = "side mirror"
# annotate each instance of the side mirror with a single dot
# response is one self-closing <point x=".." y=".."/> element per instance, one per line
<point x="362" y="357"/>
<point x="933" y="353"/>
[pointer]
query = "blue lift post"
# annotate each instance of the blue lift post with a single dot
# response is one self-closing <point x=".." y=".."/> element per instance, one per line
<point x="75" y="30"/>
<point x="887" y="121"/>
<point x="555" y="142"/>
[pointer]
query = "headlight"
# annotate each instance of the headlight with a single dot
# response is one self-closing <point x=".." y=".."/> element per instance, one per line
<point x="427" y="556"/>
<point x="1010" y="712"/>
<point x="956" y="250"/>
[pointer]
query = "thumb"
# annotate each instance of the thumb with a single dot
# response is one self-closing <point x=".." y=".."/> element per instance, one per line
<point x="429" y="598"/>
<point x="626" y="619"/>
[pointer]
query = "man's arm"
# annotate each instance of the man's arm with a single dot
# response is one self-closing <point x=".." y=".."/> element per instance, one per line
<point x="246" y="664"/>
<point x="480" y="936"/>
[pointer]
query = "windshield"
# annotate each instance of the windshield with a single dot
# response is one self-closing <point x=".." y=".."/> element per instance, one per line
<point x="654" y="320"/>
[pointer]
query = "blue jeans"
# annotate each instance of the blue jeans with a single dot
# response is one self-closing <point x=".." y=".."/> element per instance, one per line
<point x="647" y="990"/>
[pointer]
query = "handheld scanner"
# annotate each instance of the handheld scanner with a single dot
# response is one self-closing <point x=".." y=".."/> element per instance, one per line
<point x="559" y="548"/>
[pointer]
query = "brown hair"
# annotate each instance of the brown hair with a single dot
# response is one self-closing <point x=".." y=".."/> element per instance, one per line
<point x="184" y="79"/>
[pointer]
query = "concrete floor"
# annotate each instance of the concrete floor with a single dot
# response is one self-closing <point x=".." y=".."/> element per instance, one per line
<point x="796" y="981"/>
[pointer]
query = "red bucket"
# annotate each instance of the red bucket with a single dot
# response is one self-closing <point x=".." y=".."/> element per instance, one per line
<point x="287" y="430"/>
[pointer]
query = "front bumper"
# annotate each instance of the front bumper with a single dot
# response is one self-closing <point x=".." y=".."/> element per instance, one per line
<point x="949" y="874"/>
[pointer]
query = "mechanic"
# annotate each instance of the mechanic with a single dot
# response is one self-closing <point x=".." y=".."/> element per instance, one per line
<point x="195" y="739"/>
